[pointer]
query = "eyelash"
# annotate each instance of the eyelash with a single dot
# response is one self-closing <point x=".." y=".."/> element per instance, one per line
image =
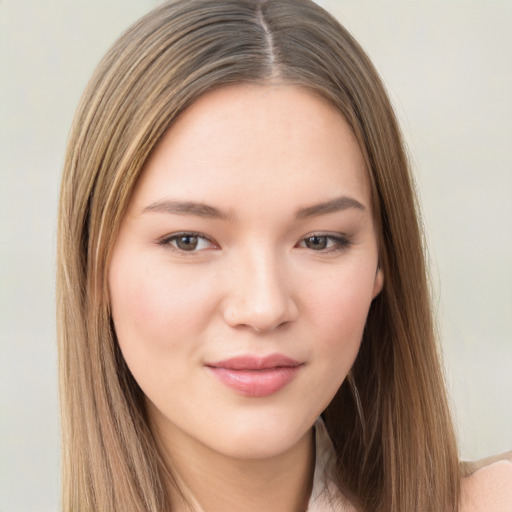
<point x="340" y="242"/>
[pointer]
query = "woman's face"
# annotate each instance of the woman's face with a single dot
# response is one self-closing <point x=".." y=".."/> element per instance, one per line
<point x="244" y="269"/>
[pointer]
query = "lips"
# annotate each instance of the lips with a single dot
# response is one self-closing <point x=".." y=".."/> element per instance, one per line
<point x="256" y="376"/>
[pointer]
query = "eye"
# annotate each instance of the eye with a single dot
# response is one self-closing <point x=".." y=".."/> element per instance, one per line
<point x="187" y="242"/>
<point x="326" y="243"/>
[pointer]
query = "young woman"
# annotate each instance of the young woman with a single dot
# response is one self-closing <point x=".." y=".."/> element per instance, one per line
<point x="244" y="317"/>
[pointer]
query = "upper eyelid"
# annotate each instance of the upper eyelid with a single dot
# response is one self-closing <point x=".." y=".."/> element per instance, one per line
<point x="334" y="236"/>
<point x="326" y="234"/>
<point x="177" y="234"/>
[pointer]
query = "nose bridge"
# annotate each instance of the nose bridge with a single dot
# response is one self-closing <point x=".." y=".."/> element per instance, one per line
<point x="259" y="296"/>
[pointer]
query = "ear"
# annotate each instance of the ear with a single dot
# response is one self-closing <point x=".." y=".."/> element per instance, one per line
<point x="378" y="283"/>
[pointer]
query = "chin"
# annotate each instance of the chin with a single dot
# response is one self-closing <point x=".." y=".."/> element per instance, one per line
<point x="259" y="445"/>
<point x="261" y="437"/>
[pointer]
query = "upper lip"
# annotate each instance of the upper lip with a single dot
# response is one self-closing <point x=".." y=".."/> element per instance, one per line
<point x="249" y="362"/>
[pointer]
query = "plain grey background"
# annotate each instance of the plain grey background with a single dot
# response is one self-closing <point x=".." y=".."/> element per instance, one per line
<point x="448" y="69"/>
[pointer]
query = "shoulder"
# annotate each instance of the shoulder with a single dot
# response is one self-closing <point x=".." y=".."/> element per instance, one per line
<point x="487" y="485"/>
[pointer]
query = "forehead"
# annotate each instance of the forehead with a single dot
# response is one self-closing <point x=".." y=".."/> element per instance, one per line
<point x="272" y="142"/>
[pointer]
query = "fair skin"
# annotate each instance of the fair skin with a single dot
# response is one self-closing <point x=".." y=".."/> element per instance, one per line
<point x="249" y="238"/>
<point x="489" y="489"/>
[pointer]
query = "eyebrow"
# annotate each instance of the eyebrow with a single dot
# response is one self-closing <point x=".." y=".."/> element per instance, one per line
<point x="210" y="212"/>
<point x="186" y="208"/>
<point x="334" y="205"/>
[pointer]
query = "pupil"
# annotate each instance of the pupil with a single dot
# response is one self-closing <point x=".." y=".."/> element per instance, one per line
<point x="187" y="242"/>
<point x="317" y="242"/>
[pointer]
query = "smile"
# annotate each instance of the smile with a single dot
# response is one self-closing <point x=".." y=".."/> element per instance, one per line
<point x="256" y="376"/>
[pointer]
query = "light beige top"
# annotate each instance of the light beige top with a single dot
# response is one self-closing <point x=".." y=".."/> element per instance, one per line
<point x="324" y="490"/>
<point x="486" y="486"/>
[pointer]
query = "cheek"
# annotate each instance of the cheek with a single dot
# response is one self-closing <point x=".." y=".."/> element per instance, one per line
<point x="156" y="311"/>
<point x="340" y="301"/>
<point x="339" y="306"/>
<point x="159" y="318"/>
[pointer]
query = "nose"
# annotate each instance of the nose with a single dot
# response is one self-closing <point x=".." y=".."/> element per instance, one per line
<point x="259" y="297"/>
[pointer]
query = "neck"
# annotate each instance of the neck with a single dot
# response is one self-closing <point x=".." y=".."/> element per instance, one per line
<point x="212" y="482"/>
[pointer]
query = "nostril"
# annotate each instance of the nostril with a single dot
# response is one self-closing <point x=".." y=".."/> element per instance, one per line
<point x="260" y="317"/>
<point x="259" y="296"/>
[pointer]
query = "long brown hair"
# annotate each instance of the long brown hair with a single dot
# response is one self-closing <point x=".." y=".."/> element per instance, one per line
<point x="389" y="422"/>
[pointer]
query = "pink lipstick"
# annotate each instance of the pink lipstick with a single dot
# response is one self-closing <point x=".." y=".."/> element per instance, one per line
<point x="256" y="376"/>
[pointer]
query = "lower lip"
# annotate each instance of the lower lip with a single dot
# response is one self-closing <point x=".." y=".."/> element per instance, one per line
<point x="256" y="383"/>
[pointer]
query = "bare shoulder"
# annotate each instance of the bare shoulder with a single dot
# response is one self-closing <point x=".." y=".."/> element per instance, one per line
<point x="487" y="486"/>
